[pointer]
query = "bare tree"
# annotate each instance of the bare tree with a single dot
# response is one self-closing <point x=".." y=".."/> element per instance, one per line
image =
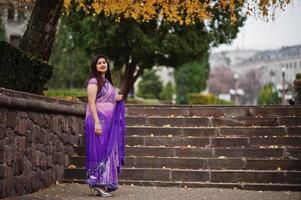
<point x="221" y="80"/>
<point x="250" y="83"/>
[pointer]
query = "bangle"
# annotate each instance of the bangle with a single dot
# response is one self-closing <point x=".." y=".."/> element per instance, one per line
<point x="97" y="122"/>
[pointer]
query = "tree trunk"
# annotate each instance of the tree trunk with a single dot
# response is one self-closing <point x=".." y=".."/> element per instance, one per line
<point x="129" y="78"/>
<point x="40" y="32"/>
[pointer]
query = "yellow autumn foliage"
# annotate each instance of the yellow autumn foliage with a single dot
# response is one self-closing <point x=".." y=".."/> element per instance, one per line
<point x="180" y="11"/>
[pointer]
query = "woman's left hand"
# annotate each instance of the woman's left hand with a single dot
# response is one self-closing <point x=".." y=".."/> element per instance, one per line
<point x="119" y="97"/>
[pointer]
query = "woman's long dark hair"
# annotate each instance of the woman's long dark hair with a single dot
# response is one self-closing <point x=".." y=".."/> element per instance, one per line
<point x="96" y="74"/>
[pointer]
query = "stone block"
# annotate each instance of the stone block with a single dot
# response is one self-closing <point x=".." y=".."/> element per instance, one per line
<point x="146" y="151"/>
<point x="290" y="121"/>
<point x="199" y="132"/>
<point x="40" y="121"/>
<point x="9" y="182"/>
<point x="43" y="161"/>
<point x="29" y="137"/>
<point x="47" y="121"/>
<point x="2" y="131"/>
<point x="276" y="141"/>
<point x="178" y="163"/>
<point x="279" y="164"/>
<point x="33" y="116"/>
<point x="2" y="116"/>
<point x="252" y="132"/>
<point x="21" y="114"/>
<point x="2" y="172"/>
<point x="245" y="121"/>
<point x="19" y="185"/>
<point x="9" y="154"/>
<point x="21" y="127"/>
<point x="10" y="137"/>
<point x="42" y="136"/>
<point x="294" y="131"/>
<point x="66" y="160"/>
<point x="18" y="166"/>
<point x="194" y="152"/>
<point x="130" y="121"/>
<point x="11" y="119"/>
<point x="224" y="163"/>
<point x="2" y="152"/>
<point x="293" y="153"/>
<point x="49" y="161"/>
<point x="190" y="176"/>
<point x="2" y="195"/>
<point x="247" y="176"/>
<point x="146" y="174"/>
<point x="36" y="158"/>
<point x="207" y="112"/>
<point x="248" y="152"/>
<point x="55" y="124"/>
<point x="229" y="142"/>
<point x="20" y="145"/>
<point x="175" y="141"/>
<point x="275" y="111"/>
<point x="61" y="158"/>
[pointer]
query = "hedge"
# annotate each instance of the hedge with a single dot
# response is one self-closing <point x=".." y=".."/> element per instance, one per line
<point x="21" y="71"/>
<point x="197" y="98"/>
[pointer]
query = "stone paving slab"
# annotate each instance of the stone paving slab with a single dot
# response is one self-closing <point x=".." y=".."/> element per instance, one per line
<point x="75" y="191"/>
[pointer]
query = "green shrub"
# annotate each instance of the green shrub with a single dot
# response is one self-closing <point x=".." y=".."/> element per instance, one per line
<point x="268" y="96"/>
<point x="167" y="92"/>
<point x="197" y="98"/>
<point x="150" y="86"/>
<point x="20" y="71"/>
<point x="191" y="78"/>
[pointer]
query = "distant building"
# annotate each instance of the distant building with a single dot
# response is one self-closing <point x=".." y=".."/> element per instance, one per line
<point x="230" y="58"/>
<point x="15" y="15"/>
<point x="269" y="63"/>
<point x="272" y="63"/>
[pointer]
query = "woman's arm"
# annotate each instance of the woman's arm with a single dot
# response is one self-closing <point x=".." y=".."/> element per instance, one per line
<point x="92" y="91"/>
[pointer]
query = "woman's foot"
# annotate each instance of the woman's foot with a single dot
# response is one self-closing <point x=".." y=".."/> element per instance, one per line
<point x="99" y="191"/>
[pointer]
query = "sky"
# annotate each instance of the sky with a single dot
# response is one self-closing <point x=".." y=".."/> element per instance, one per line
<point x="257" y="34"/>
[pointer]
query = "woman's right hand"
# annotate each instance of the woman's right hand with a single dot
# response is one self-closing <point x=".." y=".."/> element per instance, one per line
<point x="98" y="129"/>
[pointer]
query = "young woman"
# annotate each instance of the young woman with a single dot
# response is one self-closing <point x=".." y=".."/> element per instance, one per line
<point x="104" y="130"/>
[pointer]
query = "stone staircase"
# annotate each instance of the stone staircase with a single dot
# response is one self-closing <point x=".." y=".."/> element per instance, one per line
<point x="240" y="147"/>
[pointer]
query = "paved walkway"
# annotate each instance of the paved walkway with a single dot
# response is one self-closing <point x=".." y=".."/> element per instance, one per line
<point x="81" y="192"/>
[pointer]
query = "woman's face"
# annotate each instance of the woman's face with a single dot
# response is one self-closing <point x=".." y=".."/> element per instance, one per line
<point x="101" y="65"/>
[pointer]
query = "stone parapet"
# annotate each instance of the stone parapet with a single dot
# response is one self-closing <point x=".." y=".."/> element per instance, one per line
<point x="37" y="137"/>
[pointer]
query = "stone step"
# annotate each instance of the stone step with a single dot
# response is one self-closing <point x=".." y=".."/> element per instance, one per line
<point x="214" y="176"/>
<point x="264" y="152"/>
<point x="245" y="186"/>
<point x="213" y="131"/>
<point x="212" y="142"/>
<point x="216" y="111"/>
<point x="215" y="121"/>
<point x="210" y="132"/>
<point x="202" y="163"/>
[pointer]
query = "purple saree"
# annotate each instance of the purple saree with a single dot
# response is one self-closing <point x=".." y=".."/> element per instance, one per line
<point x="105" y="153"/>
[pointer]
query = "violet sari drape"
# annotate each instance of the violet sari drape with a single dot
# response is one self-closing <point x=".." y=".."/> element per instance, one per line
<point x="105" y="153"/>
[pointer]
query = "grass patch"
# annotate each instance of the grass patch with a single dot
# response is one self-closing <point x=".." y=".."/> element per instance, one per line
<point x="67" y="94"/>
<point x="143" y="101"/>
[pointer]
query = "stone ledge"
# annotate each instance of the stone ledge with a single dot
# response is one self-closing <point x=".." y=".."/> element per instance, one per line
<point x="39" y="106"/>
<point x="30" y="96"/>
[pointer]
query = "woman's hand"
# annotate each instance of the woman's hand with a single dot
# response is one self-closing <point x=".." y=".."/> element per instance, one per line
<point x="98" y="129"/>
<point x="119" y="97"/>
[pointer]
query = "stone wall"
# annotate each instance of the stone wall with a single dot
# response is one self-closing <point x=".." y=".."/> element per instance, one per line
<point x="37" y="136"/>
